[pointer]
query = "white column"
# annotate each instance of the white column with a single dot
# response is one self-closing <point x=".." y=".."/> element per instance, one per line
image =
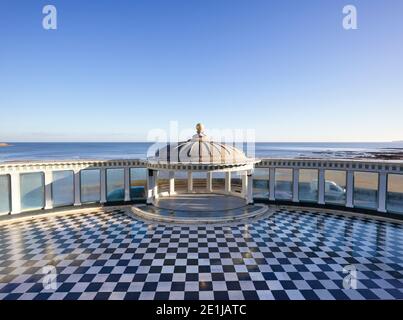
<point x="48" y="189"/>
<point x="77" y="188"/>
<point x="382" y="189"/>
<point x="209" y="182"/>
<point x="150" y="186"/>
<point x="171" y="183"/>
<point x="321" y="186"/>
<point x="127" y="184"/>
<point x="103" y="185"/>
<point x="15" y="193"/>
<point x="272" y="183"/>
<point x="155" y="192"/>
<point x="244" y="180"/>
<point x="190" y="181"/>
<point x="295" y="189"/>
<point x="228" y="182"/>
<point x="350" y="189"/>
<point x="250" y="188"/>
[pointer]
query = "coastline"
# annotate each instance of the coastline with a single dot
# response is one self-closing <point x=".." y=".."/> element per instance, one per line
<point x="27" y="152"/>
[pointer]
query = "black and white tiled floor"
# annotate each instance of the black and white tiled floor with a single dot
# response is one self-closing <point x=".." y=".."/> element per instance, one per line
<point x="290" y="255"/>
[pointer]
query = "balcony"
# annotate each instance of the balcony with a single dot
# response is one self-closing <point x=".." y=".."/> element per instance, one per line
<point x="374" y="187"/>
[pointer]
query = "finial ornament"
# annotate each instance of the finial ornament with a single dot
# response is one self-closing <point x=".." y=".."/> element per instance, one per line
<point x="199" y="128"/>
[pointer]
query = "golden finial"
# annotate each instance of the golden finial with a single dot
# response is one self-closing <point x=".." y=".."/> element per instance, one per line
<point x="199" y="128"/>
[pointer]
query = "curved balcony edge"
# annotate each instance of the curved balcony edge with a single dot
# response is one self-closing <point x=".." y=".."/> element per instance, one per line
<point x="364" y="186"/>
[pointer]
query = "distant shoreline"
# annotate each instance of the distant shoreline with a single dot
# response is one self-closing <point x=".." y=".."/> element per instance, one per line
<point x="111" y="151"/>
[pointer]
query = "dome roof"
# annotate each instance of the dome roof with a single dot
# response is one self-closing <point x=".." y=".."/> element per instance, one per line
<point x="200" y="149"/>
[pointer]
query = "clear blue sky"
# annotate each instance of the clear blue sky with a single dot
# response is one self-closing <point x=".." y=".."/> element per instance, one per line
<point x="113" y="70"/>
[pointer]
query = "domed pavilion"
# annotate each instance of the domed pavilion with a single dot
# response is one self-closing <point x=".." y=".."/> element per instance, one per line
<point x="200" y="154"/>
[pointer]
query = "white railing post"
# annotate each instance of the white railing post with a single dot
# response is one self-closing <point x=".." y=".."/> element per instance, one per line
<point x="382" y="190"/>
<point x="295" y="182"/>
<point x="77" y="188"/>
<point x="103" y="185"/>
<point x="127" y="183"/>
<point x="272" y="184"/>
<point x="350" y="189"/>
<point x="15" y="193"/>
<point x="321" y="186"/>
<point x="48" y="190"/>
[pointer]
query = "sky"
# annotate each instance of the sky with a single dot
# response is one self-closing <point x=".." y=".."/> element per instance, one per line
<point x="116" y="70"/>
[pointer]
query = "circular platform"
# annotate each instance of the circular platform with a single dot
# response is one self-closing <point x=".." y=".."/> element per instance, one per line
<point x="200" y="202"/>
<point x="199" y="209"/>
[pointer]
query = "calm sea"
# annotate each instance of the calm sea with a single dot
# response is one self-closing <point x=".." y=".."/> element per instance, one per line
<point x="138" y="150"/>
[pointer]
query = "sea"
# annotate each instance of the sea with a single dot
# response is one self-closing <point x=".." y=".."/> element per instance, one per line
<point x="141" y="150"/>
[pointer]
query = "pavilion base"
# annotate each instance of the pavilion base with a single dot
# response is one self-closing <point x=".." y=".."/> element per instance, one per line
<point x="199" y="209"/>
<point x="200" y="202"/>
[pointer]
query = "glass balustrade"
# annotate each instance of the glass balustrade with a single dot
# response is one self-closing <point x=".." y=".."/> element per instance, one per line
<point x="32" y="190"/>
<point x="63" y="188"/>
<point x="335" y="187"/>
<point x="138" y="183"/>
<point x="308" y="185"/>
<point x="283" y="184"/>
<point x="5" y="196"/>
<point x="90" y="185"/>
<point x="394" y="201"/>
<point x="366" y="190"/>
<point x="261" y="183"/>
<point x="115" y="185"/>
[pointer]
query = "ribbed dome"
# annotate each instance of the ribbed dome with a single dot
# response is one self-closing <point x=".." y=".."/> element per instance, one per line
<point x="200" y="149"/>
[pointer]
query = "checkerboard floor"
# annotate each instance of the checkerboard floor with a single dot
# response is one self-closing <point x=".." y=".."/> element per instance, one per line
<point x="290" y="255"/>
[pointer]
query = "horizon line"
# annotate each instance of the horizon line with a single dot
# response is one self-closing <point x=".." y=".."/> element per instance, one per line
<point x="11" y="142"/>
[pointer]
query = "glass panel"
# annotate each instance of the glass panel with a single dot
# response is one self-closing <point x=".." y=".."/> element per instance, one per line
<point x="115" y="185"/>
<point x="90" y="185"/>
<point x="200" y="181"/>
<point x="395" y="193"/>
<point x="181" y="181"/>
<point x="138" y="183"/>
<point x="308" y="185"/>
<point x="163" y="182"/>
<point x="335" y="187"/>
<point x="261" y="183"/>
<point x="63" y="188"/>
<point x="236" y="182"/>
<point x="32" y="191"/>
<point x="218" y="181"/>
<point x="283" y="184"/>
<point x="5" y="205"/>
<point x="366" y="190"/>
